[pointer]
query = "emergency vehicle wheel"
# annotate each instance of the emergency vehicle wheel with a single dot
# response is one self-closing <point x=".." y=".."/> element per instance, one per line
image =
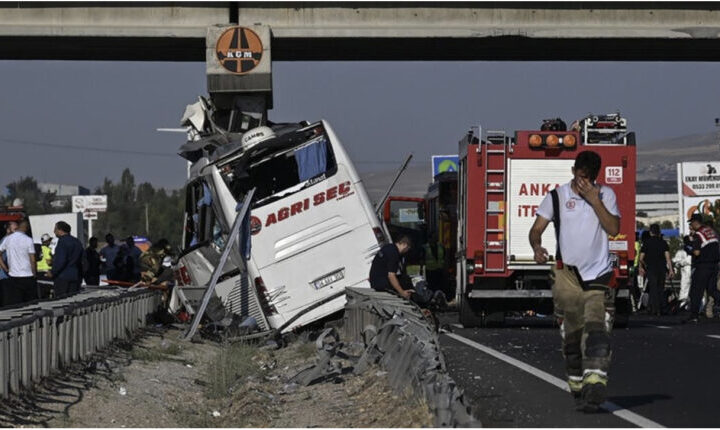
<point x="468" y="317"/>
<point x="494" y="319"/>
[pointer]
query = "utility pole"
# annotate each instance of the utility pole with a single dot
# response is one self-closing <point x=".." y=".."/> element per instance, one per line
<point x="147" y="222"/>
<point x="717" y="126"/>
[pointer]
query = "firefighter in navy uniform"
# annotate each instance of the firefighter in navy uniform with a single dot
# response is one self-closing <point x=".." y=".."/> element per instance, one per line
<point x="584" y="214"/>
<point x="706" y="254"/>
<point x="387" y="268"/>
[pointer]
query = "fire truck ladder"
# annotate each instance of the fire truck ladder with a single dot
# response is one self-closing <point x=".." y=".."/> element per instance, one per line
<point x="495" y="155"/>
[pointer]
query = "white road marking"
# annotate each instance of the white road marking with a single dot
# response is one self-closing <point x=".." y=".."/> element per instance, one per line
<point x="714" y="336"/>
<point x="662" y="326"/>
<point x="457" y="325"/>
<point x="616" y="410"/>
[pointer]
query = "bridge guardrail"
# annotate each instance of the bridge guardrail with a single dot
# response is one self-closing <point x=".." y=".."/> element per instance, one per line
<point x="41" y="338"/>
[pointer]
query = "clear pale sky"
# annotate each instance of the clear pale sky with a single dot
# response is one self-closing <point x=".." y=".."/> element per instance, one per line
<point x="381" y="110"/>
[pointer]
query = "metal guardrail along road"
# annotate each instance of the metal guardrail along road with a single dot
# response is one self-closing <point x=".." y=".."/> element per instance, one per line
<point x="39" y="339"/>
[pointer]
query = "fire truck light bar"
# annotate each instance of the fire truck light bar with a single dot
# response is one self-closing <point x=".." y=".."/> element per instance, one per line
<point x="537" y="141"/>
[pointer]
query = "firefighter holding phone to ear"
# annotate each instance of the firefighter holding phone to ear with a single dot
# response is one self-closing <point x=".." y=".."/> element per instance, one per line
<point x="584" y="214"/>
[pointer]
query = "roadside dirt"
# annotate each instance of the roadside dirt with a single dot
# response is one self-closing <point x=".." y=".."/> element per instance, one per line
<point x="161" y="381"/>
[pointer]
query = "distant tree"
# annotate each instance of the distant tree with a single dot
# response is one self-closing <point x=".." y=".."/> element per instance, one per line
<point x="126" y="211"/>
<point x="34" y="201"/>
<point x="127" y="206"/>
<point x="667" y="225"/>
<point x="126" y="187"/>
<point x="145" y="192"/>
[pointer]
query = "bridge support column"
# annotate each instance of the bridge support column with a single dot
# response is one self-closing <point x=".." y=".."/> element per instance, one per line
<point x="239" y="74"/>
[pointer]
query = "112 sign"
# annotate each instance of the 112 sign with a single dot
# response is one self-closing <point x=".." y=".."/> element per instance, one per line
<point x="613" y="175"/>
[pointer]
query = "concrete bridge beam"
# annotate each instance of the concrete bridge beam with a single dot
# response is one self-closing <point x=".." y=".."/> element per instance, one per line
<point x="368" y="31"/>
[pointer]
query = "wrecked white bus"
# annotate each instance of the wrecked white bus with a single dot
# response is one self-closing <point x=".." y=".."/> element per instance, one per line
<point x="313" y="229"/>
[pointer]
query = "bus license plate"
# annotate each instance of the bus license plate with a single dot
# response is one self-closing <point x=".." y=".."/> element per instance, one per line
<point x="328" y="279"/>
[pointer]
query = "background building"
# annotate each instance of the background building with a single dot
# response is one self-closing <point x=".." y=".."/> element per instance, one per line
<point x="63" y="192"/>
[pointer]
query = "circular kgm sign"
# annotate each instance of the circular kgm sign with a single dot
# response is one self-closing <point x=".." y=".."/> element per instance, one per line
<point x="239" y="50"/>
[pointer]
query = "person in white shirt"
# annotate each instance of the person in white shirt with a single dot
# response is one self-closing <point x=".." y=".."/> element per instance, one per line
<point x="585" y="213"/>
<point x="683" y="261"/>
<point x="10" y="228"/>
<point x="21" y="266"/>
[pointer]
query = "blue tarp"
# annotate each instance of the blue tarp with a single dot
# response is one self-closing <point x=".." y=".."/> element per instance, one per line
<point x="670" y="232"/>
<point x="666" y="232"/>
<point x="311" y="160"/>
<point x="207" y="197"/>
<point x="194" y="240"/>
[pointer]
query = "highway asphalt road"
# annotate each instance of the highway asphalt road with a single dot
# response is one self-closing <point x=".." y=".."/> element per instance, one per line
<point x="663" y="374"/>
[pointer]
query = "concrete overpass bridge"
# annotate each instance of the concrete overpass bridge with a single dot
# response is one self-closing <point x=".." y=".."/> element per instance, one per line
<point x="677" y="31"/>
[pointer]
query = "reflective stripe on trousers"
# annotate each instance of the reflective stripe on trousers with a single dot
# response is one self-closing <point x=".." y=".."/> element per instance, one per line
<point x="587" y="316"/>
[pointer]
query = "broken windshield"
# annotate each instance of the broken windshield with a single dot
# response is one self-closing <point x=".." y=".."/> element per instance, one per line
<point x="284" y="171"/>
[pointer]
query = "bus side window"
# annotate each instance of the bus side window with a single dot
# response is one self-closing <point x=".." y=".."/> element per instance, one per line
<point x="200" y="218"/>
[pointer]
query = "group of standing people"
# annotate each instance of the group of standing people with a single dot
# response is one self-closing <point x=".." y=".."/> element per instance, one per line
<point x="27" y="271"/>
<point x="698" y="261"/>
<point x="116" y="262"/>
<point x="128" y="263"/>
<point x="120" y="262"/>
<point x="19" y="264"/>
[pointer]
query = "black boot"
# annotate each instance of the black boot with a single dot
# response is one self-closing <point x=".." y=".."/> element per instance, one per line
<point x="692" y="319"/>
<point x="439" y="300"/>
<point x="593" y="395"/>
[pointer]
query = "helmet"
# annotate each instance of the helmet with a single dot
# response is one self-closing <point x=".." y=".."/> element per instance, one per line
<point x="164" y="246"/>
<point x="256" y="135"/>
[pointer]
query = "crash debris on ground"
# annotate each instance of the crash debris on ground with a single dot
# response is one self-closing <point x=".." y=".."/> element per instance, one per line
<point x="161" y="381"/>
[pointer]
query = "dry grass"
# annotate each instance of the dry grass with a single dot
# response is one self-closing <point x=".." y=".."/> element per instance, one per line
<point x="165" y="351"/>
<point x="236" y="386"/>
<point x="307" y="350"/>
<point x="231" y="365"/>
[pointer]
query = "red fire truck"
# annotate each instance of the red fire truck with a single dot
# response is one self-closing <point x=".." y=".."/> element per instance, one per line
<point x="10" y="214"/>
<point x="502" y="180"/>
